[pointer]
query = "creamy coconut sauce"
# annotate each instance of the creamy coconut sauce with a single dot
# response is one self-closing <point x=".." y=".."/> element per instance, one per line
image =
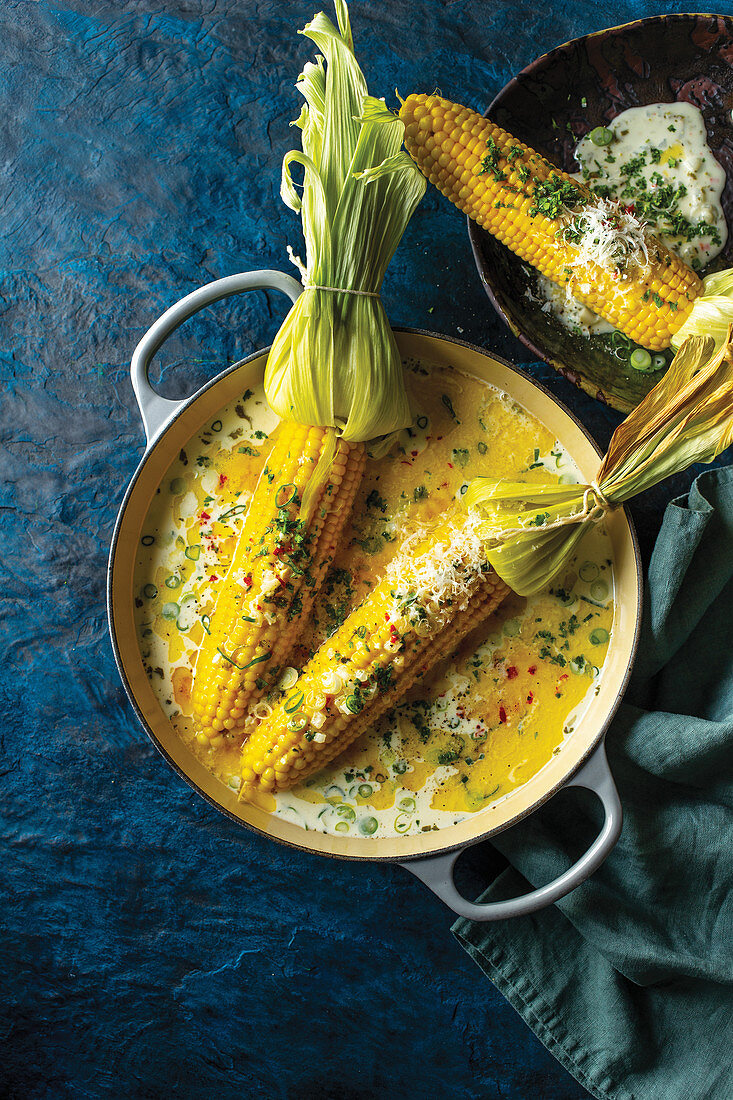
<point x="656" y="160"/>
<point x="489" y="716"/>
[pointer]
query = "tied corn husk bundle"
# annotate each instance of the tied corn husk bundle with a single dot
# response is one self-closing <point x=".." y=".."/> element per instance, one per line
<point x="334" y="361"/>
<point x="532" y="530"/>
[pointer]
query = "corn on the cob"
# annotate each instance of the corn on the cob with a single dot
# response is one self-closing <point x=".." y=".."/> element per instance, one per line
<point x="433" y="593"/>
<point x="595" y="248"/>
<point x="279" y="563"/>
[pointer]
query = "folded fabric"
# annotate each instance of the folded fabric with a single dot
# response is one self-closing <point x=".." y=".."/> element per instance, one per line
<point x="627" y="980"/>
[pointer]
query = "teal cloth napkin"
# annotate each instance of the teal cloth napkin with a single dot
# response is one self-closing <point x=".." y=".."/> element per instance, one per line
<point x="627" y="981"/>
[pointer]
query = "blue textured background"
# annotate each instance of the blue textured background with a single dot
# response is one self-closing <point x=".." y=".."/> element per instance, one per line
<point x="150" y="947"/>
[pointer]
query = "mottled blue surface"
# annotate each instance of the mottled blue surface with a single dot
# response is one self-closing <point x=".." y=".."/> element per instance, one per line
<point x="150" y="947"/>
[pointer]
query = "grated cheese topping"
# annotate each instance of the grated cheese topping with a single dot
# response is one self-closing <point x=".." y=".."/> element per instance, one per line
<point x="432" y="586"/>
<point x="608" y="234"/>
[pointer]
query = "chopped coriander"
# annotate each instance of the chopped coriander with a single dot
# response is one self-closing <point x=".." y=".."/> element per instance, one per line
<point x="552" y="196"/>
<point x="375" y="501"/>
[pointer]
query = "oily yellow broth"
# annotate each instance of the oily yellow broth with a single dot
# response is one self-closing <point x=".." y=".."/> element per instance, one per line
<point x="483" y="722"/>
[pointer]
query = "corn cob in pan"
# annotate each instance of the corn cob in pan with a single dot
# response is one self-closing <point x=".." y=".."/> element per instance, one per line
<point x="595" y="247"/>
<point x="438" y="588"/>
<point x="282" y="554"/>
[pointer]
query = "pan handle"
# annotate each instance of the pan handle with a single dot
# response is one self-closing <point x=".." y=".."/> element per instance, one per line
<point x="437" y="871"/>
<point x="155" y="410"/>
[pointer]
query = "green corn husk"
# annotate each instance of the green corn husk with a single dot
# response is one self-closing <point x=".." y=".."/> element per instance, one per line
<point x="532" y="530"/>
<point x="334" y="361"/>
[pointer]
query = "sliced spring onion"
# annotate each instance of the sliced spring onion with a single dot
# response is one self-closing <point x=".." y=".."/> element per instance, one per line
<point x="621" y="345"/>
<point x="170" y="611"/>
<point x="344" y="810"/>
<point x="285" y="494"/>
<point x="297" y="722"/>
<point x="601" y="136"/>
<point x="288" y="679"/>
<point x="588" y="571"/>
<point x="254" y="661"/>
<point x="368" y="825"/>
<point x="178" y="486"/>
<point x="341" y="826"/>
<point x="400" y="767"/>
<point x="206" y="623"/>
<point x="354" y="704"/>
<point x="235" y="511"/>
<point x="173" y="581"/>
<point x="402" y="823"/>
<point x="659" y="362"/>
<point x="599" y="590"/>
<point x="216" y="426"/>
<point x="641" y="360"/>
<point x="150" y="591"/>
<point x="365" y="789"/>
<point x="408" y="805"/>
<point x="193" y="553"/>
<point x="294" y="701"/>
<point x="187" y="615"/>
<point x="599" y="636"/>
<point x="147" y="540"/>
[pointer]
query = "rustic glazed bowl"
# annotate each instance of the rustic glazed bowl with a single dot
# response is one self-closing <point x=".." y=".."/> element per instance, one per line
<point x="551" y="105"/>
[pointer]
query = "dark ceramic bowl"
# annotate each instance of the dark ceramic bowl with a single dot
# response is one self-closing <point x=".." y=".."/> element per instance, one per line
<point x="557" y="99"/>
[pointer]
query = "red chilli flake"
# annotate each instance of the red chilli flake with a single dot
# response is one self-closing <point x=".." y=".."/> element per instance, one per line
<point x="502" y="714"/>
<point x="247" y="581"/>
<point x="222" y="479"/>
<point x="511" y="672"/>
<point x="204" y="516"/>
<point x="213" y="577"/>
<point x="532" y="669"/>
<point x="530" y="697"/>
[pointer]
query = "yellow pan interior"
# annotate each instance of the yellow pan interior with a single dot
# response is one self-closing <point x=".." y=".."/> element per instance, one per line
<point x="575" y="749"/>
